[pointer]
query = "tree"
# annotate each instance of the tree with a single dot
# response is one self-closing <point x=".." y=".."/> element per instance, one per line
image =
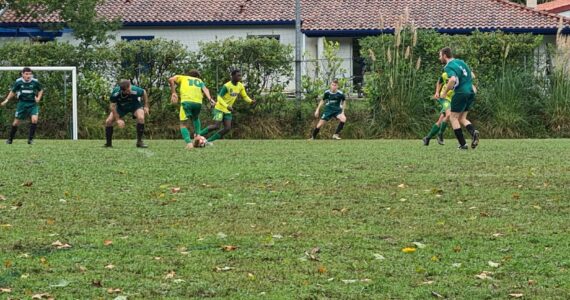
<point x="79" y="15"/>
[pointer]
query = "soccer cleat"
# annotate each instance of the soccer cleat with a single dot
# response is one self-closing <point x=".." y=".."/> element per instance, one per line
<point x="440" y="140"/>
<point x="336" y="137"/>
<point x="108" y="146"/>
<point x="9" y="142"/>
<point x="30" y="142"/>
<point x="464" y="147"/>
<point x="475" y="141"/>
<point x="426" y="141"/>
<point x="141" y="144"/>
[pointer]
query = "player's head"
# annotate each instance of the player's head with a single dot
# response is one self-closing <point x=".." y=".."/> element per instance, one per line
<point x="236" y="75"/>
<point x="125" y="86"/>
<point x="445" y="54"/>
<point x="195" y="73"/>
<point x="334" y="86"/>
<point x="27" y="74"/>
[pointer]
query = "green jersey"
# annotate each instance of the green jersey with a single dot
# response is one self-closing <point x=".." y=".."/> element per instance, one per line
<point x="462" y="73"/>
<point x="333" y="101"/>
<point x="27" y="91"/>
<point x="123" y="100"/>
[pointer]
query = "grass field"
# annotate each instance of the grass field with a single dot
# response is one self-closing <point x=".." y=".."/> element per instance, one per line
<point x="478" y="224"/>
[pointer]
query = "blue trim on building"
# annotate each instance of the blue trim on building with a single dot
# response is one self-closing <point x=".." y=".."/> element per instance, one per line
<point x="30" y="32"/>
<point x="369" y="32"/>
<point x="129" y="38"/>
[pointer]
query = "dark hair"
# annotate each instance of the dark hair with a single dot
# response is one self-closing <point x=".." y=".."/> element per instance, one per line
<point x="335" y="81"/>
<point x="447" y="52"/>
<point x="124" y="84"/>
<point x="234" y="72"/>
<point x="195" y="73"/>
<point x="26" y="70"/>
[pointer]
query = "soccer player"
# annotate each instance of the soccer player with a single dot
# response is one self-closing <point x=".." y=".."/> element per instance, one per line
<point x="191" y="89"/>
<point x="125" y="99"/>
<point x="224" y="106"/>
<point x="461" y="82"/>
<point x="29" y="93"/>
<point x="334" y="102"/>
<point x="445" y="103"/>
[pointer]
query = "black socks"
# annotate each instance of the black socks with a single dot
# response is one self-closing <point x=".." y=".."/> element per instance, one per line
<point x="460" y="137"/>
<point x="471" y="129"/>
<point x="13" y="132"/>
<point x="339" y="128"/>
<point x="109" y="135"/>
<point x="32" y="131"/>
<point x="316" y="132"/>
<point x="140" y="132"/>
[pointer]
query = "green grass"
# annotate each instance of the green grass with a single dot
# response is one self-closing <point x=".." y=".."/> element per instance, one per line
<point x="507" y="203"/>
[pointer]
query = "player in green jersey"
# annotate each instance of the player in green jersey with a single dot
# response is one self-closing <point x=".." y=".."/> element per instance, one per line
<point x="461" y="82"/>
<point x="334" y="102"/>
<point x="29" y="93"/>
<point x="444" y="101"/>
<point x="126" y="99"/>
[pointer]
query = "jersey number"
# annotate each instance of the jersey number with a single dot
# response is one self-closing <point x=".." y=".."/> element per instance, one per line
<point x="464" y="71"/>
<point x="194" y="82"/>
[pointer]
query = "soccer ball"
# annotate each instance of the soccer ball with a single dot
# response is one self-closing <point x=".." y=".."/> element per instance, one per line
<point x="200" y="141"/>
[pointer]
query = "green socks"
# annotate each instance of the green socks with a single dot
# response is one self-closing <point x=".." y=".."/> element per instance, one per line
<point x="214" y="137"/>
<point x="186" y="135"/>
<point x="434" y="130"/>
<point x="442" y="128"/>
<point x="197" y="126"/>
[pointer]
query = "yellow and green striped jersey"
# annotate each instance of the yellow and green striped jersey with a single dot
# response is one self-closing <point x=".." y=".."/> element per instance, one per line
<point x="443" y="81"/>
<point x="228" y="95"/>
<point x="190" y="88"/>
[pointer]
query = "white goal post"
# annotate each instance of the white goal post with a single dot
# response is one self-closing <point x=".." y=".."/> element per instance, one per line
<point x="75" y="131"/>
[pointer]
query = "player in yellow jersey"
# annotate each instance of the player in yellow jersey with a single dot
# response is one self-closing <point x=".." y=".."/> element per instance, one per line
<point x="224" y="107"/>
<point x="192" y="89"/>
<point x="445" y="111"/>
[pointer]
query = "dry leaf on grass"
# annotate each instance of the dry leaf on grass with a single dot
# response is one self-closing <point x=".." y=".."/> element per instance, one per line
<point x="110" y="266"/>
<point x="484" y="275"/>
<point x="436" y="294"/>
<point x="379" y="256"/>
<point x="5" y="290"/>
<point x="223" y="269"/>
<point x="170" y="275"/>
<point x="107" y="242"/>
<point x="96" y="283"/>
<point x="313" y="254"/>
<point x="2" y="198"/>
<point x="60" y="245"/>
<point x="113" y="291"/>
<point x="175" y="190"/>
<point x="229" y="248"/>
<point x="516" y="295"/>
<point x="419" y="245"/>
<point x="42" y="296"/>
<point x="27" y="184"/>
<point x="402" y="186"/>
<point x="493" y="264"/>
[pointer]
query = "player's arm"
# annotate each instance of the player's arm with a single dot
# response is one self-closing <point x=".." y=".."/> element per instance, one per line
<point x="317" y="112"/>
<point x="39" y="96"/>
<point x="173" y="94"/>
<point x="245" y="97"/>
<point x="8" y="98"/>
<point x="343" y="103"/>
<point x="221" y="102"/>
<point x="474" y="86"/>
<point x="206" y="92"/>
<point x="438" y="86"/>
<point x="146" y="103"/>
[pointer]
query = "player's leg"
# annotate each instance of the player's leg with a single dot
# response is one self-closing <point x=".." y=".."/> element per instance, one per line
<point x="433" y="131"/>
<point x="218" y="117"/>
<point x="139" y="115"/>
<point x="443" y="127"/>
<point x="13" y="130"/>
<point x="33" y="126"/>
<point x="195" y="110"/>
<point x="468" y="125"/>
<point x="109" y="122"/>
<point x="458" y="105"/>
<point x="342" y="120"/>
<point x="220" y="134"/>
<point x="317" y="128"/>
<point x="183" y="128"/>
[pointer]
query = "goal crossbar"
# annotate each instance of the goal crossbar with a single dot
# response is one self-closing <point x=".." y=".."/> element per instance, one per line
<point x="75" y="131"/>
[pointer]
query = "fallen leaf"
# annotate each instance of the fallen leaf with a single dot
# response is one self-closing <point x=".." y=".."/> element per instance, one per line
<point x="379" y="256"/>
<point x="96" y="283"/>
<point x="456" y="265"/>
<point x="493" y="264"/>
<point x="537" y="207"/>
<point x="223" y="269"/>
<point x="251" y="276"/>
<point x="5" y="290"/>
<point x="402" y="186"/>
<point x="322" y="269"/>
<point x="221" y="235"/>
<point x="179" y="280"/>
<point x="428" y="282"/>
<point x="27" y="184"/>
<point x="435" y="258"/>
<point x="436" y="294"/>
<point x="60" y="245"/>
<point x="516" y="295"/>
<point x="50" y="221"/>
<point x="498" y="235"/>
<point x="44" y="261"/>
<point x="516" y="196"/>
<point x="113" y="291"/>
<point x="110" y="266"/>
<point x="409" y="250"/>
<point x="157" y="258"/>
<point x="61" y="283"/>
<point x="25" y="276"/>
<point x="229" y="248"/>
<point x="120" y="298"/>
<point x="2" y="198"/>
<point x="349" y="280"/>
<point x="42" y="296"/>
<point x="419" y="245"/>
<point x="457" y="249"/>
<point x="8" y="264"/>
<point x="532" y="282"/>
<point x="107" y="242"/>
<point x="170" y="275"/>
<point x="484" y="275"/>
<point x="277" y="236"/>
<point x="175" y="190"/>
<point x="82" y="269"/>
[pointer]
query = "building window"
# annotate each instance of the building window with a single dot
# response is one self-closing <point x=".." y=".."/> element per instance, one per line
<point x="138" y="38"/>
<point x="265" y="36"/>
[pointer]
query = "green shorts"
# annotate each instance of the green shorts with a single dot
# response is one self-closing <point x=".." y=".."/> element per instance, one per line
<point x="330" y="114"/>
<point x="190" y="110"/>
<point x="128" y="108"/>
<point x="462" y="102"/>
<point x="444" y="105"/>
<point x="26" y="110"/>
<point x="222" y="116"/>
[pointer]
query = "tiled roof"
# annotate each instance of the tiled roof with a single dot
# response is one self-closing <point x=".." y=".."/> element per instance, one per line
<point x="323" y="15"/>
<point x="555" y="6"/>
